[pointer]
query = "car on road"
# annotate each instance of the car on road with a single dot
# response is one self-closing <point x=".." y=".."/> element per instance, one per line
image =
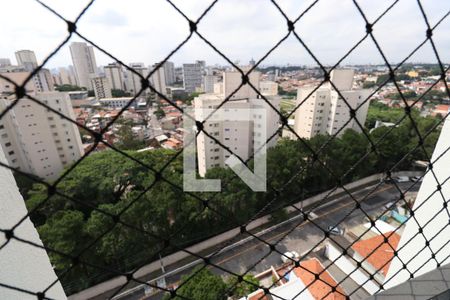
<point x="417" y="178"/>
<point x="287" y="256"/>
<point x="335" y="230"/>
<point x="400" y="179"/>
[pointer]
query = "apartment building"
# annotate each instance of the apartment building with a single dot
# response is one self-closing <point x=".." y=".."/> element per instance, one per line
<point x="35" y="139"/>
<point x="114" y="74"/>
<point x="242" y="137"/>
<point x="208" y="83"/>
<point x="325" y="112"/>
<point x="158" y="79"/>
<point x="133" y="81"/>
<point x="101" y="87"/>
<point x="169" y="71"/>
<point x="27" y="59"/>
<point x="84" y="63"/>
<point x="192" y="76"/>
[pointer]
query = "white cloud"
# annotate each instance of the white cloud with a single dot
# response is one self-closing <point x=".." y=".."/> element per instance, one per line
<point x="146" y="31"/>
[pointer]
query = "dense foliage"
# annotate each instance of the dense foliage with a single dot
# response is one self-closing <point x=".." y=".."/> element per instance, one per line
<point x="106" y="184"/>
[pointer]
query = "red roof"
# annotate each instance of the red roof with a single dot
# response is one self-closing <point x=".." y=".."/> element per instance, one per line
<point x="259" y="295"/>
<point x="383" y="252"/>
<point x="442" y="107"/>
<point x="319" y="289"/>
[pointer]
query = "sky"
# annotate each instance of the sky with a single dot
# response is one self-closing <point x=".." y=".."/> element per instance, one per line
<point x="148" y="30"/>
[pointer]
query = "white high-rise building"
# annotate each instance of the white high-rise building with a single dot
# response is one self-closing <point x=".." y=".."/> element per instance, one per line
<point x="35" y="139"/>
<point x="101" y="87"/>
<point x="239" y="136"/>
<point x="27" y="59"/>
<point x="192" y="77"/>
<point x="114" y="75"/>
<point x="133" y="81"/>
<point x="169" y="71"/>
<point x="208" y="83"/>
<point x="157" y="80"/>
<point x="66" y="77"/>
<point x="233" y="79"/>
<point x="83" y="59"/>
<point x="325" y="112"/>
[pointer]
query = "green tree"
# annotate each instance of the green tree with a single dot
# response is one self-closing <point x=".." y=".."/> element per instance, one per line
<point x="159" y="113"/>
<point x="68" y="88"/>
<point x="127" y="140"/>
<point x="201" y="285"/>
<point x="243" y="288"/>
<point x="119" y="93"/>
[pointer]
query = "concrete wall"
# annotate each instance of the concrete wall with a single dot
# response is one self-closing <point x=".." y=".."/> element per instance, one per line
<point x="430" y="216"/>
<point x="22" y="265"/>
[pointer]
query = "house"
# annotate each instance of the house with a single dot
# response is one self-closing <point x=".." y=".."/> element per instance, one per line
<point x="301" y="284"/>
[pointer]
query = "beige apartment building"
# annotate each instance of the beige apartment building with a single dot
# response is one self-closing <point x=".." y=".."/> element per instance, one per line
<point x="36" y="140"/>
<point x="101" y="87"/>
<point x="325" y="112"/>
<point x="241" y="137"/>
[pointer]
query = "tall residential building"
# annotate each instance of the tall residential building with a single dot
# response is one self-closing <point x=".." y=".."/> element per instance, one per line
<point x="208" y="83"/>
<point x="233" y="79"/>
<point x="27" y="59"/>
<point x="133" y="81"/>
<point x="242" y="137"/>
<point x="5" y="62"/>
<point x="157" y="80"/>
<point x="114" y="75"/>
<point x="66" y="76"/>
<point x="41" y="82"/>
<point x="169" y="72"/>
<point x="192" y="76"/>
<point x="101" y="87"/>
<point x="326" y="112"/>
<point x="83" y="59"/>
<point x="35" y="139"/>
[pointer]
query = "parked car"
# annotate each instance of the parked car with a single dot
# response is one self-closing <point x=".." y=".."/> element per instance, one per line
<point x="402" y="179"/>
<point x="335" y="230"/>
<point x="287" y="256"/>
<point x="416" y="178"/>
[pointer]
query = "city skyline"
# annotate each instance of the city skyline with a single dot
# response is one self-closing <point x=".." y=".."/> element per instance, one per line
<point x="130" y="33"/>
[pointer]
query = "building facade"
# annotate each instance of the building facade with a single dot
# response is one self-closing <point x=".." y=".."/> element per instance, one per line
<point x="192" y="77"/>
<point x="27" y="59"/>
<point x="169" y="71"/>
<point x="114" y="74"/>
<point x="35" y="139"/>
<point x="133" y="81"/>
<point x="101" y="87"/>
<point x="84" y="63"/>
<point x="242" y="137"/>
<point x="323" y="111"/>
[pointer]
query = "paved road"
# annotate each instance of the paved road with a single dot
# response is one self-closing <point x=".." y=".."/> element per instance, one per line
<point x="255" y="256"/>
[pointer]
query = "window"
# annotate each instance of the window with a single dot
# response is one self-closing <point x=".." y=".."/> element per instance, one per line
<point x="7" y="144"/>
<point x="53" y="126"/>
<point x="55" y="134"/>
<point x="4" y="136"/>
<point x="11" y="153"/>
<point x="70" y="147"/>
<point x="50" y="118"/>
<point x="1" y="126"/>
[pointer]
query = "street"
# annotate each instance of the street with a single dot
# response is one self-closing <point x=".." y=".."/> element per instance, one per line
<point x="255" y="256"/>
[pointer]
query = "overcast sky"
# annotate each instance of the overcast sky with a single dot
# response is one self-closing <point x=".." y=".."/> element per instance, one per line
<point x="147" y="30"/>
